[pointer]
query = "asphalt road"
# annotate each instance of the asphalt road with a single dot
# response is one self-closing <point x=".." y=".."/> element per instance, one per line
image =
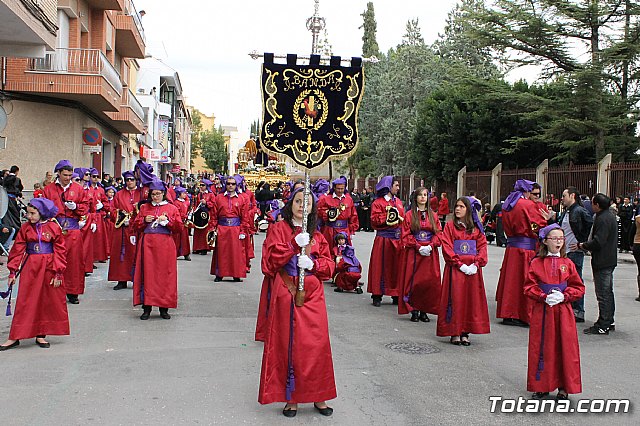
<point x="202" y="366"/>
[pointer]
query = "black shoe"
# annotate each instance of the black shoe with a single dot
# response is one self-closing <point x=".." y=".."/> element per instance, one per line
<point x="237" y="280"/>
<point x="338" y="290"/>
<point x="95" y="267"/>
<point x="515" y="322"/>
<point x="73" y="299"/>
<point x="42" y="345"/>
<point x="217" y="279"/>
<point x="455" y="340"/>
<point x="13" y="345"/>
<point x="414" y="316"/>
<point x="638" y="299"/>
<point x="376" y="303"/>
<point x="539" y="395"/>
<point x="164" y="313"/>
<point x="562" y="396"/>
<point x="578" y="319"/>
<point x="466" y="341"/>
<point x="121" y="285"/>
<point x="358" y="290"/>
<point x="595" y="329"/>
<point x="202" y="252"/>
<point x="289" y="412"/>
<point x="187" y="258"/>
<point x="424" y="317"/>
<point x="394" y="300"/>
<point x="146" y="313"/>
<point x="326" y="411"/>
<point x="86" y="274"/>
<point x="612" y="327"/>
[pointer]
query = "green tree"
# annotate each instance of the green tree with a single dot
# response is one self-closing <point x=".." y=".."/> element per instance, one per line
<point x="370" y="28"/>
<point x="213" y="149"/>
<point x="196" y="128"/>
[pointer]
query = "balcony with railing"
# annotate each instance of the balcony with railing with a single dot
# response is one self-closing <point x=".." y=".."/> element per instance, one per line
<point x="130" y="38"/>
<point x="129" y="119"/>
<point x="82" y="75"/>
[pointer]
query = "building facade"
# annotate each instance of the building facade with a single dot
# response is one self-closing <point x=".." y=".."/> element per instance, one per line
<point x="77" y="102"/>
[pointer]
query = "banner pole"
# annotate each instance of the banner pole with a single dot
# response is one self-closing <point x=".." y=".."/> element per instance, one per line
<point x="300" y="294"/>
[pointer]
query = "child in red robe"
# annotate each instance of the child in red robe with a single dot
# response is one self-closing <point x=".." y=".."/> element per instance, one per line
<point x="552" y="284"/>
<point x="348" y="268"/>
<point x="39" y="257"/>
<point x="463" y="303"/>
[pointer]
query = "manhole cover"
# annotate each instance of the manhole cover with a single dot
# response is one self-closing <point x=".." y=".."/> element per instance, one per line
<point x="412" y="348"/>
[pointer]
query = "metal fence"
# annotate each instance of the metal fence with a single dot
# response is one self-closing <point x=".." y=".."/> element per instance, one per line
<point x="478" y="182"/>
<point x="624" y="180"/>
<point x="584" y="177"/>
<point x="509" y="177"/>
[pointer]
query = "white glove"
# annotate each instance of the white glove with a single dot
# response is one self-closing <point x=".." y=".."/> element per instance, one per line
<point x="425" y="250"/>
<point x="82" y="223"/>
<point x="93" y="227"/>
<point x="242" y="236"/>
<point x="163" y="222"/>
<point x="305" y="262"/>
<point x="132" y="240"/>
<point x="554" y="298"/>
<point x="302" y="239"/>
<point x="99" y="205"/>
<point x="70" y="205"/>
<point x="473" y="269"/>
<point x="465" y="269"/>
<point x="126" y="222"/>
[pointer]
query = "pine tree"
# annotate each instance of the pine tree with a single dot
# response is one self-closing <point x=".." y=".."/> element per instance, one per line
<point x="370" y="27"/>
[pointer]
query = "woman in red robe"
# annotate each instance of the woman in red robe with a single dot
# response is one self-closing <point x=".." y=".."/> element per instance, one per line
<point x="297" y="365"/>
<point x="155" y="280"/>
<point x="182" y="236"/>
<point x="109" y="227"/>
<point x="39" y="256"/>
<point x="123" y="242"/>
<point x="230" y="219"/>
<point x="463" y="302"/>
<point x="421" y="282"/>
<point x="387" y="215"/>
<point x="552" y="284"/>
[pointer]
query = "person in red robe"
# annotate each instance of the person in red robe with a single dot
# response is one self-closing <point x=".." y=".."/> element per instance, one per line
<point x="521" y="220"/>
<point x="38" y="255"/>
<point x="463" y="302"/>
<point x="552" y="284"/>
<point x="387" y="215"/>
<point x="88" y="226"/>
<point x="203" y="201"/>
<point x="110" y="192"/>
<point x="420" y="273"/>
<point x="99" y="238"/>
<point x="443" y="209"/>
<point x="434" y="203"/>
<point x="297" y="366"/>
<point x="338" y="213"/>
<point x="73" y="206"/>
<point x="250" y="201"/>
<point x="229" y="218"/>
<point x="155" y="281"/>
<point x="348" y="268"/>
<point x="123" y="243"/>
<point x="183" y="245"/>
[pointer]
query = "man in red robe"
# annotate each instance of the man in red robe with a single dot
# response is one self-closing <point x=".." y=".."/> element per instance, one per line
<point x="123" y="249"/>
<point x="387" y="215"/>
<point x="521" y="221"/>
<point x="230" y="220"/>
<point x="73" y="207"/>
<point x="337" y="213"/>
<point x="181" y="237"/>
<point x="250" y="201"/>
<point x="100" y="235"/>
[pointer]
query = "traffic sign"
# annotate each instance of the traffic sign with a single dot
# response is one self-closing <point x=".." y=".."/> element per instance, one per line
<point x="92" y="136"/>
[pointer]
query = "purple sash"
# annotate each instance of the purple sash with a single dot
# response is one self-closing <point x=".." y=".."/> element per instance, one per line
<point x="548" y="287"/>
<point x="393" y="233"/>
<point x="291" y="268"/>
<point x="525" y="243"/>
<point x="40" y="248"/>
<point x="423" y="236"/>
<point x="229" y="221"/>
<point x="465" y="247"/>
<point x="353" y="269"/>
<point x="157" y="230"/>
<point x="68" y="223"/>
<point x="338" y="223"/>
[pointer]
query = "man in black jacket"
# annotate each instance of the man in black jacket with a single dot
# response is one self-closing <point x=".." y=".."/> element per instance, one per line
<point x="576" y="223"/>
<point x="603" y="244"/>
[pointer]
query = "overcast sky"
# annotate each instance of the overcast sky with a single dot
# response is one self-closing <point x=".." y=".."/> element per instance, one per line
<point x="208" y="42"/>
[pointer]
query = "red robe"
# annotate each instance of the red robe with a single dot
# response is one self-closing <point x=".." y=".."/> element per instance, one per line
<point x="248" y="241"/>
<point x="229" y="259"/>
<point x="311" y="361"/>
<point x="156" y="269"/>
<point x="468" y="302"/>
<point x="123" y="253"/>
<point x="421" y="285"/>
<point x="109" y="224"/>
<point x="265" y="298"/>
<point x="200" y="235"/>
<point x="385" y="263"/>
<point x="561" y="353"/>
<point x="348" y="214"/>
<point x="523" y="220"/>
<point x="74" y="273"/>
<point x="40" y="309"/>
<point x="434" y="203"/>
<point x="99" y="238"/>
<point x="343" y="278"/>
<point x="181" y="237"/>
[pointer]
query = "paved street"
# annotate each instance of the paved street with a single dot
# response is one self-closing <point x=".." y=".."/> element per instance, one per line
<point x="202" y="366"/>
